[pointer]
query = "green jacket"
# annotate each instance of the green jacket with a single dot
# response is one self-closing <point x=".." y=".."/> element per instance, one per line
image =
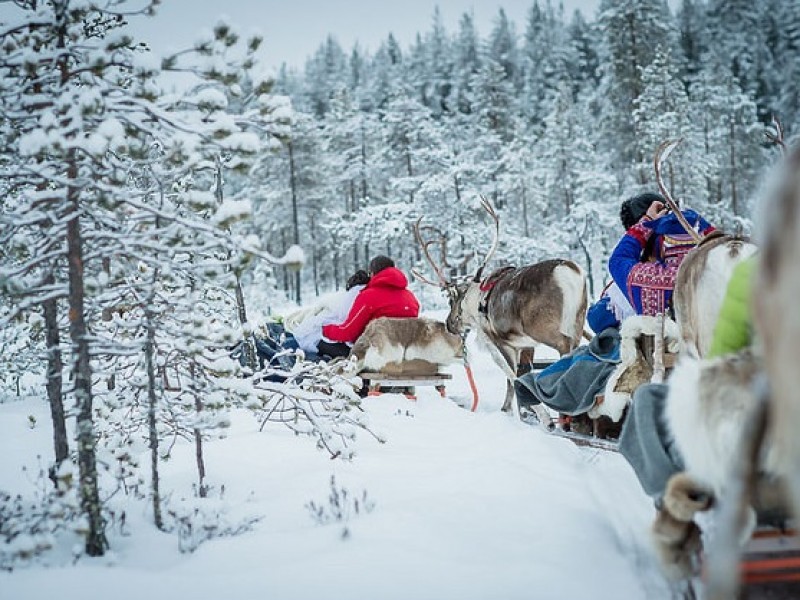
<point x="733" y="330"/>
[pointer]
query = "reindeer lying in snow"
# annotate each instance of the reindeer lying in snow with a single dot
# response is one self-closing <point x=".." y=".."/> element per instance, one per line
<point x="515" y="308"/>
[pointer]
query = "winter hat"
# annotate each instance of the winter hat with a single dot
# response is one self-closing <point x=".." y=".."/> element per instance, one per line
<point x="635" y="208"/>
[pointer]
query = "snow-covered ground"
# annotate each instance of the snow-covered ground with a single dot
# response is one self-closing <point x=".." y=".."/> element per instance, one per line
<point x="466" y="506"/>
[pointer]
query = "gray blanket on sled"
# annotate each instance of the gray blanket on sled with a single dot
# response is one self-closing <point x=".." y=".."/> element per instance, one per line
<point x="570" y="384"/>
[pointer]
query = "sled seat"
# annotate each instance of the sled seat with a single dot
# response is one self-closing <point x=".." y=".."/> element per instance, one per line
<point x="381" y="383"/>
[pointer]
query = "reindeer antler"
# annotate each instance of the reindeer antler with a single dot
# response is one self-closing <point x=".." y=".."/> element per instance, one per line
<point x="662" y="154"/>
<point x="487" y="206"/>
<point x="425" y="246"/>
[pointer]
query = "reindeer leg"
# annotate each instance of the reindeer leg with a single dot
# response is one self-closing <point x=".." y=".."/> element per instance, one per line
<point x="511" y="358"/>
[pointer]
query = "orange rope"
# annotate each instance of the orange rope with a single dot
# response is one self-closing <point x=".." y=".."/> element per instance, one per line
<point x="471" y="380"/>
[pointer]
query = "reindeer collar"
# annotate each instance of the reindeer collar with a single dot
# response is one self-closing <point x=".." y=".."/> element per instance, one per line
<point x="487" y="285"/>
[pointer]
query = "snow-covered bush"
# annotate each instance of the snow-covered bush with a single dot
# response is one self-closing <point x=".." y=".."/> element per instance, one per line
<point x="316" y="399"/>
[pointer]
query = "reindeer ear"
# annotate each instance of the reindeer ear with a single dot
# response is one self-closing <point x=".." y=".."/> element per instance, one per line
<point x="478" y="275"/>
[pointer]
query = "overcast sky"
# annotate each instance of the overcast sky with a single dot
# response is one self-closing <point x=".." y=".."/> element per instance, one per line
<point x="293" y="29"/>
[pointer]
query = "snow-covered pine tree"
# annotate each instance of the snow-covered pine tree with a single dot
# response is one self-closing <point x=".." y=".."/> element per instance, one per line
<point x="662" y="112"/>
<point x="727" y="119"/>
<point x="632" y="31"/>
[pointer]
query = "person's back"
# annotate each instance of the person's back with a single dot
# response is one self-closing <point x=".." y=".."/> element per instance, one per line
<point x="386" y="295"/>
<point x="308" y="333"/>
<point x="645" y="261"/>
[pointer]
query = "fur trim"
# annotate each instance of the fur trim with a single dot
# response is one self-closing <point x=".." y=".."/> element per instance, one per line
<point x="684" y="497"/>
<point x="634" y="327"/>
<point x="617" y="396"/>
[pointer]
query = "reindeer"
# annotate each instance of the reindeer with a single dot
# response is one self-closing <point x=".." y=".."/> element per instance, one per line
<point x="700" y="287"/>
<point x="703" y="274"/>
<point x="514" y="308"/>
<point x="735" y="427"/>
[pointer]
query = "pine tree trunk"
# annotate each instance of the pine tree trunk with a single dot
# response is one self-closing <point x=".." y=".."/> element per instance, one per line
<point x="202" y="490"/>
<point x="734" y="195"/>
<point x="295" y="217"/>
<point x="363" y="165"/>
<point x="524" y="200"/>
<point x="96" y="542"/>
<point x="152" y="405"/>
<point x="249" y="342"/>
<point x="314" y="256"/>
<point x="54" y="377"/>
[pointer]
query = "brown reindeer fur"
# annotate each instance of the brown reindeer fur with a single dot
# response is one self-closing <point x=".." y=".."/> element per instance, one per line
<point x="399" y="346"/>
<point x="525" y="302"/>
<point x="525" y="307"/>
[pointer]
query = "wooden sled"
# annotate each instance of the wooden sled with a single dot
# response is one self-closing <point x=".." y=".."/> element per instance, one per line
<point x="378" y="383"/>
<point x="652" y="365"/>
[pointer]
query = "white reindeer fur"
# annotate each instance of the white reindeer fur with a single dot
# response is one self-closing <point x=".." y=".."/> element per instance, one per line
<point x="707" y="413"/>
<point x="375" y="360"/>
<point x="573" y="290"/>
<point x="706" y="438"/>
<point x="632" y="328"/>
<point x="710" y="291"/>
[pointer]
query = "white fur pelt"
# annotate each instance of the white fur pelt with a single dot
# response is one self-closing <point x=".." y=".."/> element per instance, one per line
<point x="406" y="345"/>
<point x="632" y="328"/>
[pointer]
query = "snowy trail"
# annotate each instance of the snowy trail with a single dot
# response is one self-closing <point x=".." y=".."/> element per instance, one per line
<point x="467" y="506"/>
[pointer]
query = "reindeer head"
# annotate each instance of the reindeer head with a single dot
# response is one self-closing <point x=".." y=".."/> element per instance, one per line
<point x="456" y="293"/>
<point x="462" y="295"/>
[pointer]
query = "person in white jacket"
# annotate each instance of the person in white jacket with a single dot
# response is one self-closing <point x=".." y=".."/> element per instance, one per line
<point x="308" y="332"/>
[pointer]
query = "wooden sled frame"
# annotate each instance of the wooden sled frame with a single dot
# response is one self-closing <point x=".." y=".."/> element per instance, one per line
<point x="602" y="431"/>
<point x="376" y="381"/>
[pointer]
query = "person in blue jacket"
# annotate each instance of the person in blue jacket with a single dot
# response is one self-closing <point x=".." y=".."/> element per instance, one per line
<point x="642" y="266"/>
<point x="645" y="261"/>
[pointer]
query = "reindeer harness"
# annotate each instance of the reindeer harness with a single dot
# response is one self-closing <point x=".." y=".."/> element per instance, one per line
<point x="487" y="285"/>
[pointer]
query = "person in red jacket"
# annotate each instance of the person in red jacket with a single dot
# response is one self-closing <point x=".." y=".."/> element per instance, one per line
<point x="386" y="295"/>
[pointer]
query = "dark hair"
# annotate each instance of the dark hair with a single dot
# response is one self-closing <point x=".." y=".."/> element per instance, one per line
<point x="635" y="208"/>
<point x="360" y="277"/>
<point x="379" y="263"/>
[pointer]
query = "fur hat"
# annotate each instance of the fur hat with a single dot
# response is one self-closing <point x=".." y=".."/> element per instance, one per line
<point x="635" y="208"/>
